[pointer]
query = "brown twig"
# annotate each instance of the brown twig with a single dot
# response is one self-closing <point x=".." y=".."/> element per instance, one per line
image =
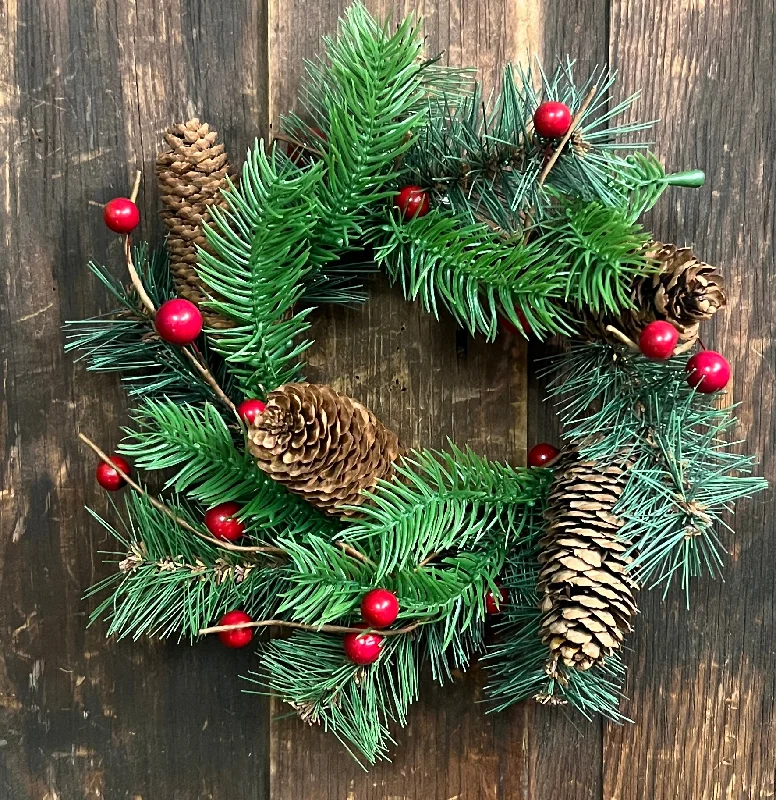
<point x="577" y="118"/>
<point x="135" y="278"/>
<point x="281" y="137"/>
<point x="136" y="186"/>
<point x="283" y="623"/>
<point x="209" y="379"/>
<point x="685" y="346"/>
<point x="618" y="334"/>
<point x="160" y="506"/>
<point x="353" y="553"/>
<point x="427" y="560"/>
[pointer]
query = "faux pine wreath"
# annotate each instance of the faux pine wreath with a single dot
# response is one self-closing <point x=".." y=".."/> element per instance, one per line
<point x="287" y="504"/>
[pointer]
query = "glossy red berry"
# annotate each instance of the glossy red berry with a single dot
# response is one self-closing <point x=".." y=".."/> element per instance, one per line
<point x="362" y="648"/>
<point x="222" y="523"/>
<point x="708" y="371"/>
<point x="658" y="340"/>
<point x="108" y="477"/>
<point x="121" y="215"/>
<point x="379" y="608"/>
<point x="493" y="604"/>
<point x="540" y="454"/>
<point x="412" y="201"/>
<point x="251" y="410"/>
<point x="552" y="120"/>
<point x="178" y="321"/>
<point x="238" y="637"/>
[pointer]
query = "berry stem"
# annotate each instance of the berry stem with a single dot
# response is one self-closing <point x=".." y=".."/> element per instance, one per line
<point x="136" y="186"/>
<point x="618" y="334"/>
<point x="135" y="278"/>
<point x="281" y="137"/>
<point x="160" y="506"/>
<point x="577" y="118"/>
<point x="353" y="553"/>
<point x="284" y="623"/>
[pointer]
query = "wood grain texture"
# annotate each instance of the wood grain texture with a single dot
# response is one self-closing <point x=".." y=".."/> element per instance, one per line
<point x="85" y="90"/>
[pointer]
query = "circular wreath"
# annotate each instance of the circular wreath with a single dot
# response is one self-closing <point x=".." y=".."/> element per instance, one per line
<point x="288" y="504"/>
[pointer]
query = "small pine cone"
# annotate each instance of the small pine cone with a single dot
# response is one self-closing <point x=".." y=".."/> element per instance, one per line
<point x="587" y="594"/>
<point x="192" y="176"/>
<point x="684" y="292"/>
<point x="322" y="445"/>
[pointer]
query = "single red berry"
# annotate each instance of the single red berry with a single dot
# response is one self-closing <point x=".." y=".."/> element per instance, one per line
<point x="299" y="153"/>
<point x="540" y="454"/>
<point x="495" y="605"/>
<point x="708" y="371"/>
<point x="222" y="523"/>
<point x="251" y="410"/>
<point x="238" y="637"/>
<point x="109" y="478"/>
<point x="362" y="648"/>
<point x="512" y="329"/>
<point x="178" y="321"/>
<point x="379" y="608"/>
<point x="658" y="340"/>
<point x="412" y="201"/>
<point x="121" y="215"/>
<point x="552" y="120"/>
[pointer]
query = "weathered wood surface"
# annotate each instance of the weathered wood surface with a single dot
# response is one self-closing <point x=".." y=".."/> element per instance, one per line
<point x="85" y="90"/>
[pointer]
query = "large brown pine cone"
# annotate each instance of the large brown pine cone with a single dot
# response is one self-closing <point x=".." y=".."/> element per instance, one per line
<point x="322" y="445"/>
<point x="684" y="292"/>
<point x="192" y="175"/>
<point x="587" y="595"/>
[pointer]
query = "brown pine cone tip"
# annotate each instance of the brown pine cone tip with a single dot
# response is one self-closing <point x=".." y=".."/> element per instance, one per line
<point x="587" y="593"/>
<point x="683" y="291"/>
<point x="323" y="445"/>
<point x="192" y="175"/>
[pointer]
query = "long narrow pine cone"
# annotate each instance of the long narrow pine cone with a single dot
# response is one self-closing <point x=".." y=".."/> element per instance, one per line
<point x="192" y="174"/>
<point x="684" y="291"/>
<point x="587" y="596"/>
<point x="322" y="445"/>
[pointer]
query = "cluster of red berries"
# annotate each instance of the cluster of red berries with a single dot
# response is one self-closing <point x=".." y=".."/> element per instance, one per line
<point x="379" y="609"/>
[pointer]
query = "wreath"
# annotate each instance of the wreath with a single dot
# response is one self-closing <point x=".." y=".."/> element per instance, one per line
<point x="288" y="505"/>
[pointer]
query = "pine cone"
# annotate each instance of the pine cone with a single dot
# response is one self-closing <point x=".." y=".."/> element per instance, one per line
<point x="322" y="445"/>
<point x="192" y="175"/>
<point x="587" y="595"/>
<point x="684" y="292"/>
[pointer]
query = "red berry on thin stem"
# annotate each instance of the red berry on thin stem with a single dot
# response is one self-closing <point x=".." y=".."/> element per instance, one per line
<point x="250" y="410"/>
<point x="658" y="340"/>
<point x="412" y="201"/>
<point x="362" y="648"/>
<point x="222" y="523"/>
<point x="494" y="605"/>
<point x="708" y="371"/>
<point x="552" y="120"/>
<point x="121" y="215"/>
<point x="178" y="321"/>
<point x="107" y="475"/>
<point x="379" y="608"/>
<point x="540" y="454"/>
<point x="239" y="637"/>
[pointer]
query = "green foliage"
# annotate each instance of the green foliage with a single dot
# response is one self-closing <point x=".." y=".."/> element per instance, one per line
<point x="171" y="583"/>
<point x="474" y="273"/>
<point x="684" y="473"/>
<point x="198" y="446"/>
<point x="124" y="341"/>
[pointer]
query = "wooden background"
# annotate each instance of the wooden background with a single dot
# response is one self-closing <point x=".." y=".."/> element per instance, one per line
<point x="85" y="90"/>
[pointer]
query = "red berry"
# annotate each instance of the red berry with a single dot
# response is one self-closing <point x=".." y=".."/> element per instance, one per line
<point x="109" y="478"/>
<point x="493" y="605"/>
<point x="379" y="608"/>
<point x="552" y="120"/>
<point x="121" y="215"/>
<point x="362" y="648"/>
<point x="299" y="153"/>
<point x="178" y="321"/>
<point x="222" y="523"/>
<point x="708" y="371"/>
<point x="540" y="454"/>
<point x="239" y="637"/>
<point x="658" y="340"/>
<point x="251" y="410"/>
<point x="412" y="201"/>
<point x="512" y="329"/>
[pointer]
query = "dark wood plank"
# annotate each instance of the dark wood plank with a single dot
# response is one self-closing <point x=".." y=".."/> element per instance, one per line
<point x="428" y="382"/>
<point x="702" y="681"/>
<point x="86" y="91"/>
